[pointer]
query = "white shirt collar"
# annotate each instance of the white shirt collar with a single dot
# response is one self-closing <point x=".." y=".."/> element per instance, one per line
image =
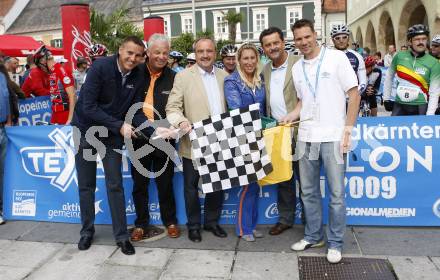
<point x="203" y="72"/>
<point x="284" y="65"/>
<point x="120" y="71"/>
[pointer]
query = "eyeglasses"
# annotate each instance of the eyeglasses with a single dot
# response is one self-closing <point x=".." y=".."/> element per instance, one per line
<point x="191" y="62"/>
<point x="337" y="38"/>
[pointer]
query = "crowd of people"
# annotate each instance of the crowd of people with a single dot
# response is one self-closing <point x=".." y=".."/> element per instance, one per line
<point x="322" y="90"/>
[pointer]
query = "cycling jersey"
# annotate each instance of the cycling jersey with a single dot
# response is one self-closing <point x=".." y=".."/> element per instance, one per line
<point x="358" y="64"/>
<point x="418" y="80"/>
<point x="59" y="80"/>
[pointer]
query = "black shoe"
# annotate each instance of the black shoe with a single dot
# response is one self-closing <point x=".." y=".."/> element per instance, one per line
<point x="126" y="247"/>
<point x="85" y="242"/>
<point x="194" y="235"/>
<point x="216" y="230"/>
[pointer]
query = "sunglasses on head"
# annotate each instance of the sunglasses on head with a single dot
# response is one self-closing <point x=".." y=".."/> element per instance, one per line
<point x="337" y="38"/>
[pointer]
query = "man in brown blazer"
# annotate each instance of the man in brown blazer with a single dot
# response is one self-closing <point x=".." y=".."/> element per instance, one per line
<point x="196" y="95"/>
<point x="280" y="99"/>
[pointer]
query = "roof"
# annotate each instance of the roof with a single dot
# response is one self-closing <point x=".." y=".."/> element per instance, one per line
<point x="333" y="6"/>
<point x="42" y="15"/>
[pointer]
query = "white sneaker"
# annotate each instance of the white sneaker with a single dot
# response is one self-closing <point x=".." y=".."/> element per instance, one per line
<point x="2" y="221"/>
<point x="334" y="255"/>
<point x="248" y="238"/>
<point x="257" y="234"/>
<point x="304" y="245"/>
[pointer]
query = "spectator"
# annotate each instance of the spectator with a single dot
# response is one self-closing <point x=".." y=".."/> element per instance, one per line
<point x="79" y="74"/>
<point x="378" y="57"/>
<point x="14" y="89"/>
<point x="243" y="88"/>
<point x="11" y="64"/>
<point x="280" y="99"/>
<point x="389" y="56"/>
<point x="30" y="64"/>
<point x="322" y="79"/>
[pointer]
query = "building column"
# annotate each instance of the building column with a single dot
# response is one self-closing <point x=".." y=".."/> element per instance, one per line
<point x="318" y="20"/>
<point x="203" y="20"/>
<point x="238" y="38"/>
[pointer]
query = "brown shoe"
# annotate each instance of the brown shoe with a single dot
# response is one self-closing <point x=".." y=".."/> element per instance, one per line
<point x="138" y="234"/>
<point x="278" y="229"/>
<point x="173" y="231"/>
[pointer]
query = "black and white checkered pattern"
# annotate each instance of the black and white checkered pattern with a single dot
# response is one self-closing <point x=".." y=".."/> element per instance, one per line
<point x="229" y="150"/>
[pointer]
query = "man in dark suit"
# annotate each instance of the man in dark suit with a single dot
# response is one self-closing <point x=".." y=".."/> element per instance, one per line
<point x="280" y="99"/>
<point x="113" y="84"/>
<point x="158" y="164"/>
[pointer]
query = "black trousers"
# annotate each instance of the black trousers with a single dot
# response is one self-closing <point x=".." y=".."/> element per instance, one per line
<point x="213" y="201"/>
<point x="85" y="163"/>
<point x="160" y="164"/>
<point x="409" y="110"/>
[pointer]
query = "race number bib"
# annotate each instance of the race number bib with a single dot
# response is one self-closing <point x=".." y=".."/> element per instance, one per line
<point x="408" y="93"/>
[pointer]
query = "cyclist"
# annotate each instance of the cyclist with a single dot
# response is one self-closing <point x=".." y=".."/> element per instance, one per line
<point x="173" y="61"/>
<point x="435" y="46"/>
<point x="190" y="60"/>
<point x="60" y="87"/>
<point x="418" y="77"/>
<point x="228" y="53"/>
<point x="340" y="37"/>
<point x="97" y="51"/>
<point x="374" y="76"/>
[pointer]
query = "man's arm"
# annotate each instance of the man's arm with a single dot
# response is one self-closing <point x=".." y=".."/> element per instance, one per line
<point x="90" y="92"/>
<point x="174" y="107"/>
<point x="434" y="89"/>
<point x="294" y="115"/>
<point x="72" y="100"/>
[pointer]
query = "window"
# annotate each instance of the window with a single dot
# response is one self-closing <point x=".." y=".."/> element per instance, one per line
<point x="293" y="13"/>
<point x="56" y="43"/>
<point x="187" y="23"/>
<point x="221" y="25"/>
<point x="260" y="20"/>
<point x="167" y="25"/>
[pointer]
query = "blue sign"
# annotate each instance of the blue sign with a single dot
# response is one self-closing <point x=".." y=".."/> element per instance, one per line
<point x="34" y="110"/>
<point x="390" y="179"/>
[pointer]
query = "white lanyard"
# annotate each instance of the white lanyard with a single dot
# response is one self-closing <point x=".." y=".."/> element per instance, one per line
<point x="314" y="90"/>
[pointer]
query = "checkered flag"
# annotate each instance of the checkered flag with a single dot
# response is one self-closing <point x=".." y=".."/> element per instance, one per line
<point x="229" y="149"/>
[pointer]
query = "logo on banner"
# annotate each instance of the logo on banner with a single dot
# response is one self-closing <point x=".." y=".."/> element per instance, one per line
<point x="24" y="203"/>
<point x="56" y="163"/>
<point x="271" y="211"/>
<point x="436" y="208"/>
<point x="80" y="45"/>
<point x="71" y="211"/>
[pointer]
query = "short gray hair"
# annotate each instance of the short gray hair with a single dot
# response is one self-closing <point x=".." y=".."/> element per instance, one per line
<point x="158" y="37"/>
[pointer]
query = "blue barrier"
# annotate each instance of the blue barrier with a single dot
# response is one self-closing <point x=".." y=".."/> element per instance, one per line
<point x="390" y="179"/>
<point x="34" y="110"/>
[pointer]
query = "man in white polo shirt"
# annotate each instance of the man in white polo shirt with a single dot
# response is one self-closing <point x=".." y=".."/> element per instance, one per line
<point x="322" y="79"/>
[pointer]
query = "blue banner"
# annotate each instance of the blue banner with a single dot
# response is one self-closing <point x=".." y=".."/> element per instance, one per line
<point x="34" y="110"/>
<point x="390" y="178"/>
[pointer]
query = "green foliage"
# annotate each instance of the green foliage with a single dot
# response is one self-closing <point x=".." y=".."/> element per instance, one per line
<point x="183" y="43"/>
<point x="111" y="29"/>
<point x="233" y="18"/>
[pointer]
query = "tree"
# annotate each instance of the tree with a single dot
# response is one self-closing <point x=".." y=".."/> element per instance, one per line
<point x="184" y="43"/>
<point x="233" y="18"/>
<point x="110" y="30"/>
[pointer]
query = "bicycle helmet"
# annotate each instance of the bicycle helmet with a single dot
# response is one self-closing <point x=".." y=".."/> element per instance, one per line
<point x="339" y="29"/>
<point x="176" y="55"/>
<point x="219" y="65"/>
<point x="370" y="61"/>
<point x="41" y="52"/>
<point x="417" y="29"/>
<point x="289" y="47"/>
<point x="228" y="50"/>
<point x="191" y="57"/>
<point x="97" y="50"/>
<point x="436" y="39"/>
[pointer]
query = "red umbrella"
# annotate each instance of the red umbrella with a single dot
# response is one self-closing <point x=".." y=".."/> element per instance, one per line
<point x="21" y="46"/>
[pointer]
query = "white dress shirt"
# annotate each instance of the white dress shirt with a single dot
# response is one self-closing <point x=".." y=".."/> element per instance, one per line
<point x="212" y="91"/>
<point x="277" y="103"/>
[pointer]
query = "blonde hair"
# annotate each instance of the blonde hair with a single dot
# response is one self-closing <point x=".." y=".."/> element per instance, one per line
<point x="256" y="81"/>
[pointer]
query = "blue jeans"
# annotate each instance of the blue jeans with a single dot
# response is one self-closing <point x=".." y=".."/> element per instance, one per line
<point x="311" y="157"/>
<point x="3" y="146"/>
<point x="247" y="209"/>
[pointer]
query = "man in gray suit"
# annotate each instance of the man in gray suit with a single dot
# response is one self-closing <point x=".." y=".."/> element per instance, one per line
<point x="280" y="99"/>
